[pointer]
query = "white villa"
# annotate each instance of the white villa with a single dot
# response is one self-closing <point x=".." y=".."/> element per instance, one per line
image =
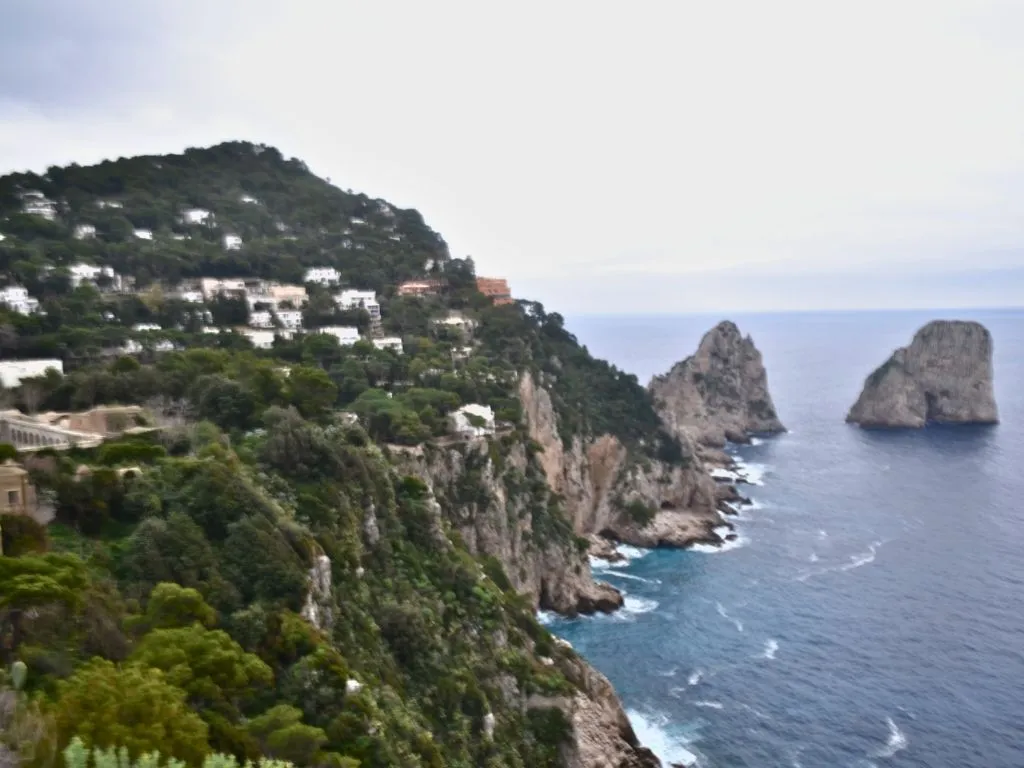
<point x="290" y="319"/>
<point x="322" y="275"/>
<point x="232" y="242"/>
<point x="473" y="420"/>
<point x="37" y="204"/>
<point x="144" y="234"/>
<point x="87" y="273"/>
<point x="345" y="334"/>
<point x="146" y="327"/>
<point x="83" y="231"/>
<point x="215" y="286"/>
<point x="261" y="319"/>
<point x="260" y="339"/>
<point x="389" y="342"/>
<point x="16" y="298"/>
<point x="195" y="216"/>
<point x="13" y="371"/>
<point x="356" y="299"/>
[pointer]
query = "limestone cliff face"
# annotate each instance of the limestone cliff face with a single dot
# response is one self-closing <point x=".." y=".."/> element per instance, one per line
<point x="599" y="484"/>
<point x="718" y="394"/>
<point x="495" y="497"/>
<point x="944" y="376"/>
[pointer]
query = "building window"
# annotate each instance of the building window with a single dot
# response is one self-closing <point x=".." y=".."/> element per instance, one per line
<point x="12" y="498"/>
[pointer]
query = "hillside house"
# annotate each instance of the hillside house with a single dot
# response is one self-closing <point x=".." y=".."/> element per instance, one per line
<point x="215" y="286"/>
<point x="419" y="288"/>
<point x="109" y="204"/>
<point x="84" y="231"/>
<point x="17" y="494"/>
<point x="389" y="342"/>
<point x="195" y="216"/>
<point x="147" y="327"/>
<point x="496" y="288"/>
<point x="16" y="298"/>
<point x="322" y="276"/>
<point x="355" y="299"/>
<point x="87" y="273"/>
<point x="35" y="203"/>
<point x="260" y="339"/>
<point x="346" y="335"/>
<point x="13" y="371"/>
<point x="232" y="242"/>
<point x="261" y="318"/>
<point x="473" y="420"/>
<point x="144" y="234"/>
<point x="106" y="420"/>
<point x="290" y="319"/>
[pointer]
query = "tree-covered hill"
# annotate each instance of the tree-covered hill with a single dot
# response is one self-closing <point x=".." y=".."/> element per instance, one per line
<point x="288" y="220"/>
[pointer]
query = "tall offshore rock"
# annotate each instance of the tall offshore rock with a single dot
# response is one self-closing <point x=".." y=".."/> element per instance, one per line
<point x="944" y="376"/>
<point x="720" y="393"/>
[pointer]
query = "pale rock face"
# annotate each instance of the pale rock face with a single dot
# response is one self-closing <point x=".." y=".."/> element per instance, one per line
<point x="317" y="608"/>
<point x="718" y="394"/>
<point x="944" y="376"/>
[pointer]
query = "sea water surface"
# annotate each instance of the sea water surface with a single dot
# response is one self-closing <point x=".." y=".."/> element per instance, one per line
<point x="872" y="611"/>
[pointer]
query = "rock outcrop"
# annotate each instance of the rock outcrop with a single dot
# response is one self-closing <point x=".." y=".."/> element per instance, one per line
<point x="602" y="489"/>
<point x="718" y="394"/>
<point x="944" y="376"/>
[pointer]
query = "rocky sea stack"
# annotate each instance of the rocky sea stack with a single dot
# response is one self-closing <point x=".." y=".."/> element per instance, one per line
<point x="720" y="393"/>
<point x="943" y="377"/>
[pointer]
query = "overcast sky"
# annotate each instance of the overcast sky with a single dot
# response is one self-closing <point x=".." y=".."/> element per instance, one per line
<point x="646" y="156"/>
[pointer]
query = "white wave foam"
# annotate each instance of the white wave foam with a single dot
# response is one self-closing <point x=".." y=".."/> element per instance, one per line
<point x="630" y="576"/>
<point x="695" y="677"/>
<point x="652" y="731"/>
<point x="727" y="617"/>
<point x="669" y="672"/>
<point x="752" y="473"/>
<point x="636" y="605"/>
<point x="632" y="553"/>
<point x="814" y="557"/>
<point x="721" y="473"/>
<point x="712" y="549"/>
<point x="822" y="534"/>
<point x="896" y="741"/>
<point x="756" y="441"/>
<point x="770" y="648"/>
<point x="856" y="561"/>
<point x="722" y="531"/>
<point x="599" y="564"/>
<point x="709" y="704"/>
<point x="546" y="618"/>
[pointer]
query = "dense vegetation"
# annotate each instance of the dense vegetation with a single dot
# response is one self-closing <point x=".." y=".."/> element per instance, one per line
<point x="175" y="608"/>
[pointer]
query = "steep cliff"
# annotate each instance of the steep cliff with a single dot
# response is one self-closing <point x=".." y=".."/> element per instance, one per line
<point x="607" y="491"/>
<point x="944" y="376"/>
<point x="718" y="394"/>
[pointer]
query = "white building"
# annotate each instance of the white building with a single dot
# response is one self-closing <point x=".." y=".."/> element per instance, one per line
<point x="322" y="275"/>
<point x="473" y="420"/>
<point x="87" y="273"/>
<point x="211" y="329"/>
<point x="457" y="320"/>
<point x="13" y="371"/>
<point x="36" y="203"/>
<point x="291" y="319"/>
<point x="144" y="234"/>
<point x="260" y="339"/>
<point x="345" y="334"/>
<point x="83" y="231"/>
<point x="109" y="204"/>
<point x="146" y="327"/>
<point x="355" y="299"/>
<point x="389" y="342"/>
<point x="215" y="286"/>
<point x="17" y="299"/>
<point x="261" y="319"/>
<point x="232" y="242"/>
<point x="248" y="199"/>
<point x="191" y="296"/>
<point x="195" y="216"/>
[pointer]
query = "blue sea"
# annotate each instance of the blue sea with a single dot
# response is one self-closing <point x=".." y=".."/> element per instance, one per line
<point x="872" y="611"/>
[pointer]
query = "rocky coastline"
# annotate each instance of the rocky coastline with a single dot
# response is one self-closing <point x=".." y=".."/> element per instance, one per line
<point x="493" y="495"/>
